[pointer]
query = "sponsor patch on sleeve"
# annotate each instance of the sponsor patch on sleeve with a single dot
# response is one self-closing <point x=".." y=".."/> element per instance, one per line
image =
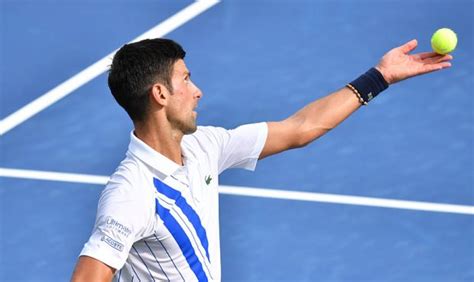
<point x="111" y="242"/>
<point x="113" y="225"/>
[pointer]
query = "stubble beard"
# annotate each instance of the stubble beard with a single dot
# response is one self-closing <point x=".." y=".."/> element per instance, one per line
<point x="186" y="126"/>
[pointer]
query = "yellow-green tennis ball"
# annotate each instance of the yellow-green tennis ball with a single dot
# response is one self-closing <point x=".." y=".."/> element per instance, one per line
<point x="443" y="41"/>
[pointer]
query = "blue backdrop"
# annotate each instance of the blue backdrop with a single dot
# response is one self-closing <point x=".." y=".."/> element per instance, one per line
<point x="255" y="61"/>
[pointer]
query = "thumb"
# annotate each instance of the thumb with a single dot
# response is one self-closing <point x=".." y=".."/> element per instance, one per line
<point x="409" y="46"/>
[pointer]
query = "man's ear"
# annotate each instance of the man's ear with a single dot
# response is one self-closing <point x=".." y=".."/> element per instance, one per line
<point x="160" y="94"/>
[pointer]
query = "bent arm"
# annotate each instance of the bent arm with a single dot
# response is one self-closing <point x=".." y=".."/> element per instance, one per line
<point x="90" y="269"/>
<point x="322" y="115"/>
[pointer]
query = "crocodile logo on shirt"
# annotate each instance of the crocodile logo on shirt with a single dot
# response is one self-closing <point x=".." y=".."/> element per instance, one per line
<point x="208" y="179"/>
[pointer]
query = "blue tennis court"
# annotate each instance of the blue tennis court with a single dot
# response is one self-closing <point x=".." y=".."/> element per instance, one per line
<point x="254" y="61"/>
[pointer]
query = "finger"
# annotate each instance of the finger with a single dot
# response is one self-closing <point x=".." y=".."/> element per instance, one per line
<point x="445" y="64"/>
<point x="409" y="46"/>
<point x="438" y="59"/>
<point x="425" y="55"/>
<point x="435" y="67"/>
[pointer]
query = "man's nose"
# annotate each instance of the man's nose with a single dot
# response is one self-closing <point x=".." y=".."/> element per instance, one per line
<point x="198" y="92"/>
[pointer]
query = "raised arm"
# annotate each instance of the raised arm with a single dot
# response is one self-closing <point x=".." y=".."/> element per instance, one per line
<point x="322" y="115"/>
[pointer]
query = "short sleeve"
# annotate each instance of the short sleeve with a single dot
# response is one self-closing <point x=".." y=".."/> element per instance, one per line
<point x="239" y="147"/>
<point x="123" y="217"/>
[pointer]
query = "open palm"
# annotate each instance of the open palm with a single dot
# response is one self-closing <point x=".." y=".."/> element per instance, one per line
<point x="398" y="64"/>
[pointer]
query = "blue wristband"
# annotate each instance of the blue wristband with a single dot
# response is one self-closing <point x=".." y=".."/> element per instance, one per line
<point x="368" y="85"/>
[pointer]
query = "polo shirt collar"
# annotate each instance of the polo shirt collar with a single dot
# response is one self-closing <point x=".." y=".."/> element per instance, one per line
<point x="151" y="157"/>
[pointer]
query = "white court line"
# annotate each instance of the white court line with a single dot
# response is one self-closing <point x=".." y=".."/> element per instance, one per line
<point x="99" y="67"/>
<point x="346" y="200"/>
<point x="54" y="176"/>
<point x="259" y="192"/>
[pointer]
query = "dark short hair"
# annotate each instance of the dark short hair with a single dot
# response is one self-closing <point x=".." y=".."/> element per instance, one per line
<point x="136" y="67"/>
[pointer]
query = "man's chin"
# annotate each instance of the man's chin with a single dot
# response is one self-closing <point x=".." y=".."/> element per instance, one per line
<point x="190" y="130"/>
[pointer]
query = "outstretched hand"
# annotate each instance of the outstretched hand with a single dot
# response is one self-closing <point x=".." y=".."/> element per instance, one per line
<point x="398" y="64"/>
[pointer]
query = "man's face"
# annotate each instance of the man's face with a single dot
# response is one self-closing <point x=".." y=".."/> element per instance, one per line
<point x="184" y="99"/>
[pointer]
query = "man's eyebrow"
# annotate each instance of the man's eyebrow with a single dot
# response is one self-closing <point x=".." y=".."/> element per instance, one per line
<point x="188" y="73"/>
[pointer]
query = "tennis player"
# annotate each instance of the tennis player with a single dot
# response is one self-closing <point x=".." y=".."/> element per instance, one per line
<point x="158" y="217"/>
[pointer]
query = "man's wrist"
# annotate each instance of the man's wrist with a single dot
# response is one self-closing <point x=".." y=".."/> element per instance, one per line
<point x="384" y="74"/>
<point x="368" y="85"/>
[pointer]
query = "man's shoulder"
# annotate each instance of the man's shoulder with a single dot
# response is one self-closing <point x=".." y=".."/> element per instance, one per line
<point x="205" y="133"/>
<point x="218" y="135"/>
<point x="209" y="130"/>
<point x="127" y="171"/>
<point x="206" y="138"/>
<point x="128" y="177"/>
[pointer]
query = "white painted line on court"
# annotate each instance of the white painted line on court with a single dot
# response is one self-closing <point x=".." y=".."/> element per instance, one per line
<point x="258" y="192"/>
<point x="99" y="67"/>
<point x="346" y="200"/>
<point x="53" y="176"/>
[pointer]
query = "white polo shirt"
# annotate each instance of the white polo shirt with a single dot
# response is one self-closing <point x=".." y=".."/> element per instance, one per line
<point x="159" y="221"/>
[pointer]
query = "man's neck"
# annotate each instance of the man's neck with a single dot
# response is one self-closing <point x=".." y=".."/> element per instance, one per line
<point x="162" y="139"/>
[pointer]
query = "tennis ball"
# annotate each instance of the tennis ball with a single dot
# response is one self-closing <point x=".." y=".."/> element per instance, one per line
<point x="443" y="41"/>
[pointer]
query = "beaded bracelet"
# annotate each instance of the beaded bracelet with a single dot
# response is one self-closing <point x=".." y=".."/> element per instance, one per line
<point x="357" y="94"/>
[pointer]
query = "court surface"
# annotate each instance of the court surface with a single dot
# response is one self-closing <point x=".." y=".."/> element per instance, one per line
<point x="254" y="61"/>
